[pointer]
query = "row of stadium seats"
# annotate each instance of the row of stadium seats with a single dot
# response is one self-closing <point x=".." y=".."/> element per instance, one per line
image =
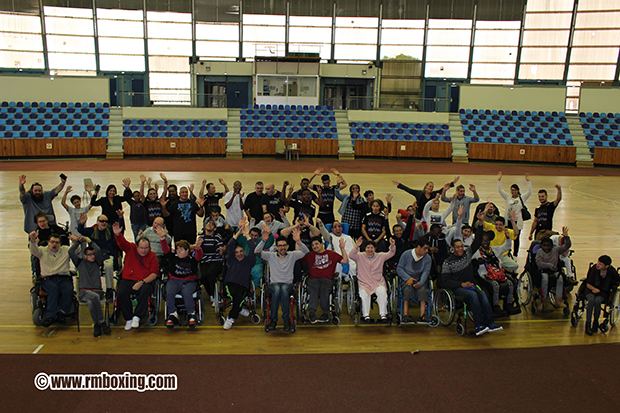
<point x="173" y="122"/>
<point x="599" y="115"/>
<point x="175" y="134"/>
<point x="288" y="107"/>
<point x="43" y="128"/>
<point x="54" y="134"/>
<point x="532" y="135"/>
<point x="290" y="135"/>
<point x="288" y="122"/>
<point x="290" y="117"/>
<point x="400" y="131"/>
<point x="514" y="124"/>
<point x="55" y="104"/>
<point x="396" y="137"/>
<point x="319" y="129"/>
<point x="43" y="122"/>
<point x="519" y="141"/>
<point x="509" y="112"/>
<point x="399" y="125"/>
<point x="174" y="128"/>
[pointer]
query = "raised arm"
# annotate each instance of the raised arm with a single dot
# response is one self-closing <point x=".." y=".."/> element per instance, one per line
<point x="223" y="183"/>
<point x="20" y="186"/>
<point x="414" y="192"/>
<point x="64" y="198"/>
<point x="63" y="181"/>
<point x="558" y="198"/>
<point x="527" y="194"/>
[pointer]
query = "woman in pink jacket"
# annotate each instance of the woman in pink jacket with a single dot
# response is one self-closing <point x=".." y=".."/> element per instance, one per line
<point x="370" y="277"/>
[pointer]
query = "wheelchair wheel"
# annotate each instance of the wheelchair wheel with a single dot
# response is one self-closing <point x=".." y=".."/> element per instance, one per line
<point x="336" y="320"/>
<point x="574" y="319"/>
<point x="356" y="319"/>
<point x="444" y="306"/>
<point x="339" y="296"/>
<point x="351" y="298"/>
<point x="217" y="297"/>
<point x="566" y="311"/>
<point x="398" y="320"/>
<point x="393" y="295"/>
<point x="434" y="321"/>
<point x="221" y="319"/>
<point x="603" y="327"/>
<point x="37" y="316"/>
<point x="460" y="329"/>
<point x="255" y="318"/>
<point x="614" y="311"/>
<point x="534" y="308"/>
<point x="524" y="288"/>
<point x="34" y="297"/>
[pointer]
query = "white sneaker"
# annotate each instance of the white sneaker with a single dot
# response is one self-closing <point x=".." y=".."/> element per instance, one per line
<point x="135" y="322"/>
<point x="244" y="312"/>
<point x="212" y="301"/>
<point x="228" y="323"/>
<point x="128" y="325"/>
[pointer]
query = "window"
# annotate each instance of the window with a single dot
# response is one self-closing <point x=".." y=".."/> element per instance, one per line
<point x="308" y="34"/>
<point x="70" y="39"/>
<point x="121" y="40"/>
<point x="495" y="52"/>
<point x="447" y="53"/>
<point x="263" y="35"/>
<point x="21" y="44"/>
<point x="356" y="39"/>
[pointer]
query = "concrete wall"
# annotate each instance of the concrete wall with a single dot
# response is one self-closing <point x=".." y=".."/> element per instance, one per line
<point x="174" y="113"/>
<point x="513" y="97"/>
<point x="597" y="99"/>
<point x="349" y="70"/>
<point x="61" y="89"/>
<point x="388" y="116"/>
<point x="215" y="68"/>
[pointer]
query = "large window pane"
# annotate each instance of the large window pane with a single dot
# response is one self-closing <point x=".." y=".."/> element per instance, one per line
<point x="113" y="63"/>
<point x="444" y="58"/>
<point x="356" y="38"/>
<point x="217" y="41"/>
<point x="70" y="38"/>
<point x="21" y="44"/>
<point x="263" y="35"/>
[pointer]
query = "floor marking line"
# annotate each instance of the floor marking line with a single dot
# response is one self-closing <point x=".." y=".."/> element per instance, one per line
<point x="38" y="348"/>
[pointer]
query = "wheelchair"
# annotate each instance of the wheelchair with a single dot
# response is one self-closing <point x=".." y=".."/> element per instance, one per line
<point x="487" y="287"/>
<point x="529" y="283"/>
<point x="335" y="300"/>
<point x="610" y="308"/>
<point x="447" y="306"/>
<point x="222" y="302"/>
<point x="354" y="300"/>
<point x="155" y="299"/>
<point x="266" y="301"/>
<point x="38" y="302"/>
<point x="429" y="305"/>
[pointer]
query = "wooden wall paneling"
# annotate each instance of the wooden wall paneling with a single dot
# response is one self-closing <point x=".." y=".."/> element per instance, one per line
<point x="532" y="153"/>
<point x="259" y="146"/>
<point x="7" y="148"/>
<point x="315" y="146"/>
<point x="606" y="156"/>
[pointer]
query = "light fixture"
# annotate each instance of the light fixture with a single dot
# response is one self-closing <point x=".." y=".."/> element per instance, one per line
<point x="364" y="72"/>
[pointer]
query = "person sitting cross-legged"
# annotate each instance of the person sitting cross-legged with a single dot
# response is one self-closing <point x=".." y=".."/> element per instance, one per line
<point x="602" y="278"/>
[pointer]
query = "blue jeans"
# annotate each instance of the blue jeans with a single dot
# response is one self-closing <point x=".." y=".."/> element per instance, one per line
<point x="136" y="228"/>
<point x="478" y="304"/>
<point x="59" y="289"/>
<point x="280" y="293"/>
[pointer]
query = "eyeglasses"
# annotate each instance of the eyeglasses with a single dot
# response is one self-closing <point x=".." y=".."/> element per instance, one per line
<point x="105" y="221"/>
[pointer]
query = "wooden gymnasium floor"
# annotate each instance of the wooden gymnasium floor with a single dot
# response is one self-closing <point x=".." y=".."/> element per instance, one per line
<point x="590" y="208"/>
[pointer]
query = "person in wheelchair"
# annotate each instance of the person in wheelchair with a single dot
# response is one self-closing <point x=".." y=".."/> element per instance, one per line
<point x="501" y="233"/>
<point x="457" y="275"/>
<point x="414" y="268"/>
<point x="322" y="267"/>
<point x="87" y="258"/>
<point x="491" y="272"/>
<point x="55" y="277"/>
<point x="281" y="267"/>
<point x="45" y="230"/>
<point x="370" y="277"/>
<point x="182" y="269"/>
<point x="601" y="280"/>
<point x="547" y="260"/>
<point x="239" y="274"/>
<point x="139" y="271"/>
<point x="212" y="264"/>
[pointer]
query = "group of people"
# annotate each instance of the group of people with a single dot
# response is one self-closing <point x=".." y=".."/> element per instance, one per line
<point x="242" y="232"/>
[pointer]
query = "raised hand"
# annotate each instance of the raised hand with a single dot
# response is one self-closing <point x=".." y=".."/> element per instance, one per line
<point x="142" y="178"/>
<point x="201" y="201"/>
<point x="296" y="234"/>
<point x="120" y="213"/>
<point x="392" y="242"/>
<point x="558" y="187"/>
<point x="83" y="218"/>
<point x="359" y="242"/>
<point x="335" y="171"/>
<point x="163" y="202"/>
<point x="22" y="179"/>
<point x="156" y="188"/>
<point x="565" y="231"/>
<point x="318" y="171"/>
<point x="126" y="182"/>
<point x="281" y="212"/>
<point x="395" y="182"/>
<point x="342" y="244"/>
<point x="318" y="222"/>
<point x="221" y="181"/>
<point x="160" y="231"/>
<point x="389" y="198"/>
<point x="319" y="190"/>
<point x="199" y="242"/>
<point x="162" y="176"/>
<point x="446" y="187"/>
<point x="73" y="238"/>
<point x="527" y="177"/>
<point x="290" y="190"/>
<point x="456" y="179"/>
<point x="438" y="196"/>
<point x="472" y="187"/>
<point x="399" y="217"/>
<point x="499" y="175"/>
<point x="116" y="227"/>
<point x="149" y="180"/>
<point x="34" y="234"/>
<point x="69" y="188"/>
<point x="191" y="187"/>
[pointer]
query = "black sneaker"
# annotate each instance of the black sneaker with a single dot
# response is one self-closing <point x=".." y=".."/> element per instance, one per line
<point x="46" y="322"/>
<point x="383" y="320"/>
<point x="406" y="319"/>
<point x="594" y="327"/>
<point x="514" y="310"/>
<point x="169" y="324"/>
<point x="324" y="318"/>
<point x="272" y="325"/>
<point x="109" y="294"/>
<point x="61" y="319"/>
<point x="588" y="330"/>
<point x="174" y="318"/>
<point x="287" y="325"/>
<point x="97" y="331"/>
<point x="313" y="319"/>
<point x="571" y="281"/>
<point x="425" y="319"/>
<point x="367" y="320"/>
<point x="106" y="328"/>
<point x="498" y="312"/>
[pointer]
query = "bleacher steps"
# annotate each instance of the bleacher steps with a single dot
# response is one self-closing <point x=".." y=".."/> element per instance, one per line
<point x="459" y="149"/>
<point x="234" y="147"/>
<point x="345" y="143"/>
<point x="584" y="157"/>
<point x="115" y="148"/>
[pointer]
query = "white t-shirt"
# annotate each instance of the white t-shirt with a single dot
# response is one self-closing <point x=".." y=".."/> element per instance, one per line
<point x="234" y="213"/>
<point x="74" y="215"/>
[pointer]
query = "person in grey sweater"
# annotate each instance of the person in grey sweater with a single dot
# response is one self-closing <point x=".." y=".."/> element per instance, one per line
<point x="414" y="268"/>
<point x="88" y="258"/>
<point x="547" y="259"/>
<point x="281" y="266"/>
<point x="461" y="200"/>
